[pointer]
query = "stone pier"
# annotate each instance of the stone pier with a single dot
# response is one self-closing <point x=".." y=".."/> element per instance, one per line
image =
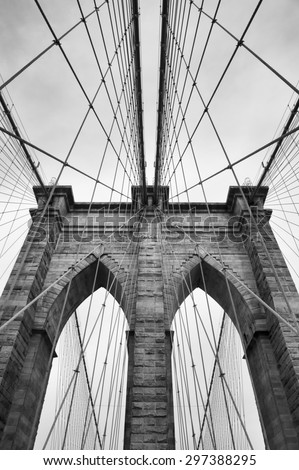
<point x="150" y="265"/>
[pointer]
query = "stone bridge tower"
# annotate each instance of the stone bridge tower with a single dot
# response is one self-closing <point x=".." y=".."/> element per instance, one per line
<point x="61" y="263"/>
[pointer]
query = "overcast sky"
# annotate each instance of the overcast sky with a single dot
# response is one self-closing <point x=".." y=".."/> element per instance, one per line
<point x="246" y="110"/>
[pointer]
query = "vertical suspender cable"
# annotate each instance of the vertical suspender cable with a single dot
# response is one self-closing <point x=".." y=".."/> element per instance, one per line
<point x="165" y="11"/>
<point x="139" y="97"/>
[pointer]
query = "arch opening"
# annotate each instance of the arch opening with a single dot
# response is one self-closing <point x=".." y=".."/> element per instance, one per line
<point x="214" y="401"/>
<point x="84" y="406"/>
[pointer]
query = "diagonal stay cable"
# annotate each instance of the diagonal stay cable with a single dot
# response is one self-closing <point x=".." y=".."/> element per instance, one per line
<point x="118" y="109"/>
<point x="207" y="405"/>
<point x="237" y="162"/>
<point x="66" y="273"/>
<point x="25" y="150"/>
<point x="180" y="52"/>
<point x="71" y="271"/>
<point x="215" y="346"/>
<point x="48" y="154"/>
<point x="277" y="147"/>
<point x="219" y="81"/>
<point x="85" y="346"/>
<point x="90" y="103"/>
<point x="54" y="43"/>
<point x="240" y="43"/>
<point x="87" y="379"/>
<point x="165" y="12"/>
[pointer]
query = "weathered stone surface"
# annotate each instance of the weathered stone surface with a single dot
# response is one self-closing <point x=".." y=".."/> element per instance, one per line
<point x="149" y="279"/>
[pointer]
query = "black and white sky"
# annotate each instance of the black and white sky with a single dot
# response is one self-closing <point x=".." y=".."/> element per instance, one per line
<point x="246" y="110"/>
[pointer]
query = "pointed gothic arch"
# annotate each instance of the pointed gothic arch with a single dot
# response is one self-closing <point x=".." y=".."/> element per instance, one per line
<point x="135" y="273"/>
<point x="96" y="330"/>
<point x="265" y="339"/>
<point x="28" y="384"/>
